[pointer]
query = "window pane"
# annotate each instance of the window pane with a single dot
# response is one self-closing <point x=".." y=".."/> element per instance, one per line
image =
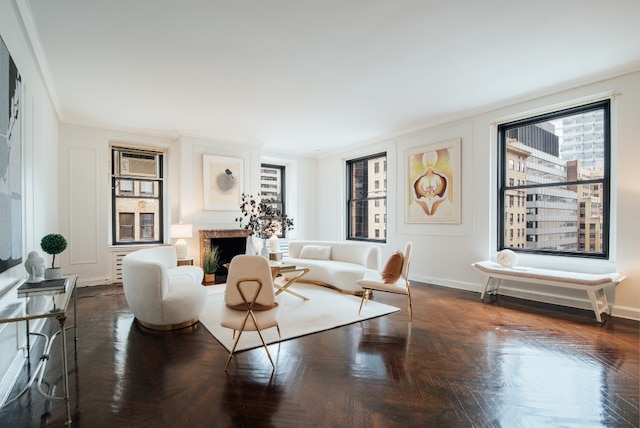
<point x="147" y="226"/>
<point x="126" y="187"/>
<point x="358" y="180"/>
<point x="126" y="226"/>
<point x="146" y="188"/>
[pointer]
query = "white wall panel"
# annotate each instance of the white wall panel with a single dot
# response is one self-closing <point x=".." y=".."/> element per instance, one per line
<point x="83" y="205"/>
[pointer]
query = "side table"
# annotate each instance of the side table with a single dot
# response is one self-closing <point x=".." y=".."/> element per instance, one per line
<point x="185" y="262"/>
<point x="32" y="305"/>
<point x="289" y="274"/>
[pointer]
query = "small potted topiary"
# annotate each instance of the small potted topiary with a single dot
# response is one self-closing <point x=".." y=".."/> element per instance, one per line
<point x="53" y="244"/>
<point x="210" y="263"/>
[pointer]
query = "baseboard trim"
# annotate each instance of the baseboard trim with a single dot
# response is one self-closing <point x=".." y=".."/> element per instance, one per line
<point x="626" y="312"/>
<point x="10" y="378"/>
<point x="88" y="282"/>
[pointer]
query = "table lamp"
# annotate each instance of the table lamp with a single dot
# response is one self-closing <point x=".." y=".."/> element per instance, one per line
<point x="180" y="232"/>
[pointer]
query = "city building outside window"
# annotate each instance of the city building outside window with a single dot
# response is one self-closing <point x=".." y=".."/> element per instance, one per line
<point x="147" y="226"/>
<point x="562" y="181"/>
<point x="365" y="193"/>
<point x="127" y="226"/>
<point x="136" y="195"/>
<point x="272" y="188"/>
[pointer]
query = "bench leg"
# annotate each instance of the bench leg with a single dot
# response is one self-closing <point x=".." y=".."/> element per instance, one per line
<point x="487" y="280"/>
<point x="599" y="308"/>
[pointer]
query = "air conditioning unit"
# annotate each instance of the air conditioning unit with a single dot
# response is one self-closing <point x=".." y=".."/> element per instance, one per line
<point x="137" y="165"/>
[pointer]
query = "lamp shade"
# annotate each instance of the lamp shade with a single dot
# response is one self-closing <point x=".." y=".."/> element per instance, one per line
<point x="181" y="231"/>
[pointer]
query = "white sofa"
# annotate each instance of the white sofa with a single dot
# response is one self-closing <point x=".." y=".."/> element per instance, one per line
<point x="339" y="267"/>
<point x="161" y="294"/>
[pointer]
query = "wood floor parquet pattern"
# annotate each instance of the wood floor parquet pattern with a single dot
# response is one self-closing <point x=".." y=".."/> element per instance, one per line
<point x="459" y="363"/>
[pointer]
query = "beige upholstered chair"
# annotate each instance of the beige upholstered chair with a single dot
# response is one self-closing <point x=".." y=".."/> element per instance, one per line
<point x="374" y="282"/>
<point x="249" y="301"/>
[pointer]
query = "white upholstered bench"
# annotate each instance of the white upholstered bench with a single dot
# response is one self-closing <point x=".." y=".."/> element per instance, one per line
<point x="593" y="284"/>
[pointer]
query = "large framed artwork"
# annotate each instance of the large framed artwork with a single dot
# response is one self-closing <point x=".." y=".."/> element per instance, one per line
<point x="222" y="182"/>
<point x="10" y="161"/>
<point x="432" y="186"/>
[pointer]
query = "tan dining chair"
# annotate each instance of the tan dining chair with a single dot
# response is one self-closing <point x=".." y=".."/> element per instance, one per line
<point x="249" y="300"/>
<point x="389" y="281"/>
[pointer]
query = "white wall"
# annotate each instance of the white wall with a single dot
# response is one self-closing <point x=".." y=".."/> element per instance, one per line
<point x="39" y="187"/>
<point x="85" y="197"/>
<point x="85" y="193"/>
<point x="443" y="253"/>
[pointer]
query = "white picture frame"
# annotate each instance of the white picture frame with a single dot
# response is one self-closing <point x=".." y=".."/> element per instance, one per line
<point x="432" y="183"/>
<point x="222" y="181"/>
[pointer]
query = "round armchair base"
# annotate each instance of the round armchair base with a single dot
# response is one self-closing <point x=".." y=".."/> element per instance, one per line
<point x="156" y="328"/>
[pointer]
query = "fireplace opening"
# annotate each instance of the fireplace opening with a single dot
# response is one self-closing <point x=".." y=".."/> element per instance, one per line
<point x="229" y="248"/>
<point x="231" y="242"/>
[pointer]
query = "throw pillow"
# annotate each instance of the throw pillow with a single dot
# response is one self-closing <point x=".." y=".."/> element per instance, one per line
<point x="393" y="269"/>
<point x="316" y="252"/>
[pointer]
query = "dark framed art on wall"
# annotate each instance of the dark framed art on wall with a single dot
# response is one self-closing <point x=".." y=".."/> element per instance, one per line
<point x="10" y="161"/>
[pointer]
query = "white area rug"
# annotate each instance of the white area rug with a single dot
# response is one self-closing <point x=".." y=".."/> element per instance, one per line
<point x="325" y="309"/>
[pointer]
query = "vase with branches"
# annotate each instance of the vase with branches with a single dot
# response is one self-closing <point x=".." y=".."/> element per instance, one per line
<point x="262" y="218"/>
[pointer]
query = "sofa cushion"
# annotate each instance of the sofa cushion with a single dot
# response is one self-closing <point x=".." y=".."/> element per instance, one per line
<point x="316" y="252"/>
<point x="393" y="268"/>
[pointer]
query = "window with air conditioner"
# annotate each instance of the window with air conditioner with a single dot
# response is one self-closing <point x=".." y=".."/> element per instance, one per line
<point x="136" y="195"/>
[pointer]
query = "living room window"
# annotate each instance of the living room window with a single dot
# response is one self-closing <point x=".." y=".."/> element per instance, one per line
<point x="563" y="182"/>
<point x="365" y="193"/>
<point x="136" y="195"/>
<point x="272" y="188"/>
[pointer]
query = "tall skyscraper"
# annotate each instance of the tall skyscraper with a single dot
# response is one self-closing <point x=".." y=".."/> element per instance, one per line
<point x="583" y="139"/>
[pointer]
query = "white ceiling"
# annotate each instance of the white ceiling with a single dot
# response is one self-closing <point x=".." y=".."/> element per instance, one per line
<point x="311" y="76"/>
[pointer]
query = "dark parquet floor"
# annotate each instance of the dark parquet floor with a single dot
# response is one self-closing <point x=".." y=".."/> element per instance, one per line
<point x="460" y="363"/>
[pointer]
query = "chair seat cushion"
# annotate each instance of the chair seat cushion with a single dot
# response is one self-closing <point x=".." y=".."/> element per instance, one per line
<point x="233" y="319"/>
<point x="374" y="281"/>
<point x="393" y="268"/>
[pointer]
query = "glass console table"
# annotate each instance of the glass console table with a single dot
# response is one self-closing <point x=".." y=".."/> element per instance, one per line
<point x="33" y="305"/>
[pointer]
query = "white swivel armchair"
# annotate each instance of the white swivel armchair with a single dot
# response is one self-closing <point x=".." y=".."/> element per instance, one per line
<point x="162" y="295"/>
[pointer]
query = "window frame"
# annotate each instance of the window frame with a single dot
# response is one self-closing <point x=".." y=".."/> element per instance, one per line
<point x="504" y="165"/>
<point x="157" y="181"/>
<point x="282" y="192"/>
<point x="350" y="200"/>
